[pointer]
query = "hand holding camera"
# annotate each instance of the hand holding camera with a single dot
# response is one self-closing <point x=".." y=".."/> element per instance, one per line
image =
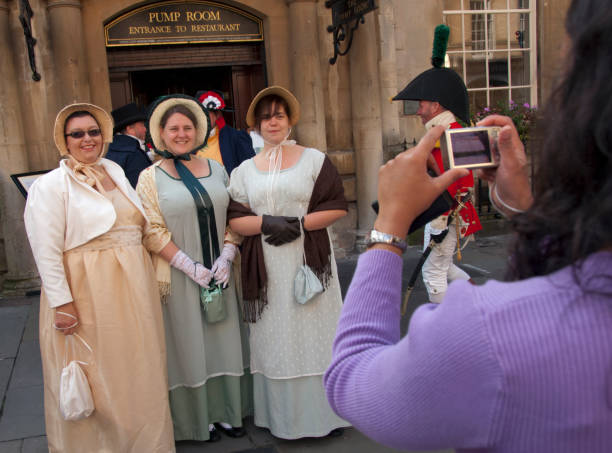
<point x="509" y="181"/>
<point x="405" y="189"/>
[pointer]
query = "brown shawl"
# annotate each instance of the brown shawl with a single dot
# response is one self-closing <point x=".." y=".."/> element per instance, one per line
<point x="327" y="194"/>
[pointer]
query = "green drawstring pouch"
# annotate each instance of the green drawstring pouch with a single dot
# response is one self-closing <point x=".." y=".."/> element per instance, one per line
<point x="212" y="303"/>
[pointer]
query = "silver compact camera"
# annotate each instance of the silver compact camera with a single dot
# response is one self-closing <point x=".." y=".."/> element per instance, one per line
<point x="469" y="147"/>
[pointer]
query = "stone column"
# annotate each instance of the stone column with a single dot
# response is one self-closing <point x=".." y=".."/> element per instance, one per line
<point x="66" y="30"/>
<point x="366" y="123"/>
<point x="337" y="100"/>
<point x="21" y="275"/>
<point x="391" y="136"/>
<point x="306" y="73"/>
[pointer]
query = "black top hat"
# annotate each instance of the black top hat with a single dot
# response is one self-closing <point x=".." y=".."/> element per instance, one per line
<point x="126" y="115"/>
<point x="439" y="84"/>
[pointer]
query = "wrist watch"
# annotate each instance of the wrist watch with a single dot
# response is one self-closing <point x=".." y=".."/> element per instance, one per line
<point x="378" y="237"/>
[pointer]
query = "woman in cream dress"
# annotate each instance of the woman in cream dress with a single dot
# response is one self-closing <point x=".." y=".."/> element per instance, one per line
<point x="84" y="223"/>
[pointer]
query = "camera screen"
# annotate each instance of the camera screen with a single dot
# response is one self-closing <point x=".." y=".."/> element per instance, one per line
<point x="471" y="148"/>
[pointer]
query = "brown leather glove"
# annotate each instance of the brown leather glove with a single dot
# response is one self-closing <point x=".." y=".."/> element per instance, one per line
<point x="280" y="229"/>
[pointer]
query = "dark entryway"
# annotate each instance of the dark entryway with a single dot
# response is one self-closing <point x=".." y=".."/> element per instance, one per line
<point x="141" y="74"/>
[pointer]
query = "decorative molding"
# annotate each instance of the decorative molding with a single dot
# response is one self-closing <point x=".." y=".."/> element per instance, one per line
<point x="63" y="4"/>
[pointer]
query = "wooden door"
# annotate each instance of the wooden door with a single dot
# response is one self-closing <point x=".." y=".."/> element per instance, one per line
<point x="247" y="81"/>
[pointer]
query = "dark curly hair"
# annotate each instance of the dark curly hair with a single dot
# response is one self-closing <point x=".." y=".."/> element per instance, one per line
<point x="572" y="210"/>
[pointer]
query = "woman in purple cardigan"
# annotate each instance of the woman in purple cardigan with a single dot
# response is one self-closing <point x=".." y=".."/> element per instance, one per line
<point x="517" y="366"/>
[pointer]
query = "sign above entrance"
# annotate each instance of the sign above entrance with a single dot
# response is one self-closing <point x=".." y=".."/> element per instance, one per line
<point x="182" y="22"/>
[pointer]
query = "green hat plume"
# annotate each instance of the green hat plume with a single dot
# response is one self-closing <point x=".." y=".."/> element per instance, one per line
<point x="439" y="45"/>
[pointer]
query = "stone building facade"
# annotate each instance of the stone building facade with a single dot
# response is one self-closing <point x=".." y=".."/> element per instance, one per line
<point x="115" y="51"/>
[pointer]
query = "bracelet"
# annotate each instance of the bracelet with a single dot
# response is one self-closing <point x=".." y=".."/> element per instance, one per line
<point x="502" y="202"/>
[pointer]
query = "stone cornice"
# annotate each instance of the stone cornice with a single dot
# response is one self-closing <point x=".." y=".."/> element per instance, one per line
<point x="63" y="4"/>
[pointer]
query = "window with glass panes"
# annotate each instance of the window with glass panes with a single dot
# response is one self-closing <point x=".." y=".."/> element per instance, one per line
<point x="492" y="46"/>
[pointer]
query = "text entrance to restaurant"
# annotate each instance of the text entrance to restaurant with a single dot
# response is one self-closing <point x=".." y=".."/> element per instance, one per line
<point x="183" y="47"/>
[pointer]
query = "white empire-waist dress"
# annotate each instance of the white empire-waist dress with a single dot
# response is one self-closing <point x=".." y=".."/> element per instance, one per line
<point x="290" y="344"/>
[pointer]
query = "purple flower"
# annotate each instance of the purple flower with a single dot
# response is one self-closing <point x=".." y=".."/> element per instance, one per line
<point x="526" y="105"/>
<point x="511" y="102"/>
<point x="487" y="109"/>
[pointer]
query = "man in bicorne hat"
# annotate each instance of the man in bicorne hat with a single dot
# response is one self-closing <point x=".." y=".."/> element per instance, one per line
<point x="128" y="147"/>
<point x="228" y="146"/>
<point x="442" y="97"/>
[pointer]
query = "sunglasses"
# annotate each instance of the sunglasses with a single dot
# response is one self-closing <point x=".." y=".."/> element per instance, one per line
<point x="81" y="134"/>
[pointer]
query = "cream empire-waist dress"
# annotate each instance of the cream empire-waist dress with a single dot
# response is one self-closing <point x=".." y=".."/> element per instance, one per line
<point x="115" y="292"/>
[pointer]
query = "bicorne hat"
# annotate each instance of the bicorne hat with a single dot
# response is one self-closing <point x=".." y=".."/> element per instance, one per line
<point x="212" y="100"/>
<point x="439" y="84"/>
<point x="126" y="115"/>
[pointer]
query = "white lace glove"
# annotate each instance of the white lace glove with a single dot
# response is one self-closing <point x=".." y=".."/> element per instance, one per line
<point x="192" y="269"/>
<point x="221" y="267"/>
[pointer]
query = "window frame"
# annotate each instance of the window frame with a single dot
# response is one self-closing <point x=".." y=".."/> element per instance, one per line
<point x="525" y="13"/>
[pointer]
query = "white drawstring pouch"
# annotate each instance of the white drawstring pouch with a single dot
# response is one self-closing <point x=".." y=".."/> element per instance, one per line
<point x="75" y="400"/>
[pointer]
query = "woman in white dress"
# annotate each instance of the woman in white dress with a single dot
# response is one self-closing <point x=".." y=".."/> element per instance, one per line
<point x="283" y="200"/>
<point x="186" y="200"/>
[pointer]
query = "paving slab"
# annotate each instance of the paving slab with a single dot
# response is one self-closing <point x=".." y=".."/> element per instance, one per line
<point x="23" y="414"/>
<point x="12" y="446"/>
<point x="35" y="445"/>
<point x="31" y="327"/>
<point x="28" y="366"/>
<point x="12" y="322"/>
<point x="6" y="366"/>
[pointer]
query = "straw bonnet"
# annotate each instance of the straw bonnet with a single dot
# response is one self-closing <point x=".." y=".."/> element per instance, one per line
<point x="292" y="102"/>
<point x="103" y="119"/>
<point x="161" y="106"/>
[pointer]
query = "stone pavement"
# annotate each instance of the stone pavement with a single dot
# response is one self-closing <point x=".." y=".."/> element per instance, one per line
<point x="22" y="428"/>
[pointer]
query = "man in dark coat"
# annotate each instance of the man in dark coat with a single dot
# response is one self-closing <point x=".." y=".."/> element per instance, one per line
<point x="226" y="145"/>
<point x="128" y="147"/>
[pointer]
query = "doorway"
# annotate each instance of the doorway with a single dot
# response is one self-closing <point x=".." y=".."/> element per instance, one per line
<point x="143" y="74"/>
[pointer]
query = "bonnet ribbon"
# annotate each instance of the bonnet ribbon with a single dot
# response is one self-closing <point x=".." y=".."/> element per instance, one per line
<point x="275" y="161"/>
<point x="91" y="174"/>
<point x="204" y="207"/>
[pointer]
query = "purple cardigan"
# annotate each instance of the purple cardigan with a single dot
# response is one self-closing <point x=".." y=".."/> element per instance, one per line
<point x="504" y="367"/>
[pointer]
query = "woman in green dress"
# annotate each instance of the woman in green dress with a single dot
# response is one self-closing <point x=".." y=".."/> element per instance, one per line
<point x="186" y="199"/>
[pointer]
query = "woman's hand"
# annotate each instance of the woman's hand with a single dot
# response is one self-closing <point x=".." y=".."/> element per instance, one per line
<point x="192" y="269"/>
<point x="405" y="189"/>
<point x="66" y="318"/>
<point x="509" y="181"/>
<point x="280" y="229"/>
<point x="222" y="265"/>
